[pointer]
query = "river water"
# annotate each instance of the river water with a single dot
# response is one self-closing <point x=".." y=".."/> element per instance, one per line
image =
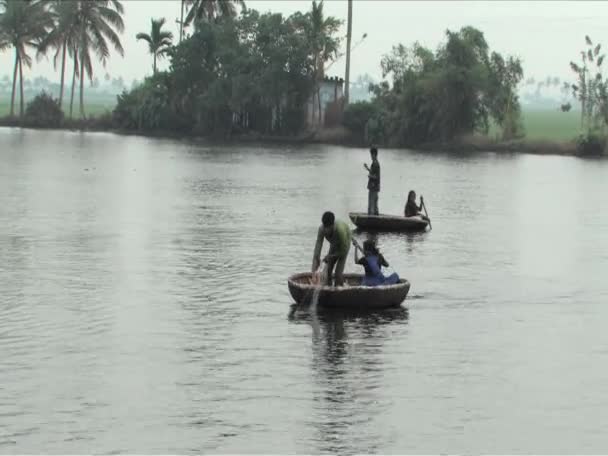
<point x="144" y="305"/>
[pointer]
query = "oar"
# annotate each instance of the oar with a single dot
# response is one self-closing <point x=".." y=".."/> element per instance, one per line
<point x="426" y="213"/>
<point x="358" y="246"/>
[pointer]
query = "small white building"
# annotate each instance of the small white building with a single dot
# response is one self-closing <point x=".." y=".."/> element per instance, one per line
<point x="331" y="91"/>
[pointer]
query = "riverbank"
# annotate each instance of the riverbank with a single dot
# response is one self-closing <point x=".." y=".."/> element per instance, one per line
<point x="334" y="136"/>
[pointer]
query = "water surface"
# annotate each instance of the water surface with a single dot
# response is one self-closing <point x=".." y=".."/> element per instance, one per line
<point x="144" y="305"/>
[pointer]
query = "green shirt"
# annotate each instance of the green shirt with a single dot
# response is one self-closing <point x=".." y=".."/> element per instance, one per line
<point x="339" y="240"/>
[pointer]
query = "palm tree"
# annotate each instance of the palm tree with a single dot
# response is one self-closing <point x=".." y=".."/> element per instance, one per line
<point x="99" y="22"/>
<point x="62" y="37"/>
<point x="75" y="75"/>
<point x="185" y="4"/>
<point x="212" y="9"/>
<point x="158" y="41"/>
<point x="23" y="23"/>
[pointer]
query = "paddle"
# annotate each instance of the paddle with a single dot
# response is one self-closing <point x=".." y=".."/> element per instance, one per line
<point x="426" y="213"/>
<point x="358" y="246"/>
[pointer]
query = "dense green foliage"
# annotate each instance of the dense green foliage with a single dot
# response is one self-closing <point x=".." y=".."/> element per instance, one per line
<point x="44" y="111"/>
<point x="456" y="90"/>
<point x="254" y="72"/>
<point x="357" y="118"/>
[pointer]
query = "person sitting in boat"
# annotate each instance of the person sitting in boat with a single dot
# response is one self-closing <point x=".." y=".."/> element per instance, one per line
<point x="338" y="235"/>
<point x="373" y="261"/>
<point x="411" y="209"/>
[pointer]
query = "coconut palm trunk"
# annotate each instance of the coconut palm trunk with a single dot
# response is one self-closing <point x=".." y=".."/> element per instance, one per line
<point x="181" y="24"/>
<point x="320" y="107"/>
<point x="62" y="74"/>
<point x="20" y="88"/>
<point x="154" y="65"/>
<point x="73" y="85"/>
<point x="14" y="83"/>
<point x="82" y="115"/>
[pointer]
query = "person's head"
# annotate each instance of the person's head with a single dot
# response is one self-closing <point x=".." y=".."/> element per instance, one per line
<point x="369" y="247"/>
<point x="328" y="219"/>
<point x="411" y="196"/>
<point x="373" y="152"/>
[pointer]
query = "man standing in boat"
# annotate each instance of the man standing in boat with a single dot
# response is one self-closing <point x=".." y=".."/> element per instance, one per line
<point x="339" y="237"/>
<point x="373" y="183"/>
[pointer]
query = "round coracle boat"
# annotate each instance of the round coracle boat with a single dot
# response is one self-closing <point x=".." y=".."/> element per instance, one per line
<point x="352" y="295"/>
<point x="388" y="222"/>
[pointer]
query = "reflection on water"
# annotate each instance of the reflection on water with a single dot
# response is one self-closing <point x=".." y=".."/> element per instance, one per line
<point x="143" y="299"/>
<point x="347" y="371"/>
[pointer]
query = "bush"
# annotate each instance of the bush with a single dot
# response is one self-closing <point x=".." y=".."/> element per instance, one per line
<point x="146" y="108"/>
<point x="357" y="116"/>
<point x="591" y="144"/>
<point x="43" y="111"/>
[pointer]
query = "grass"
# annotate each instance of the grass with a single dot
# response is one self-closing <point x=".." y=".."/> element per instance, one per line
<point x="4" y="108"/>
<point x="551" y="125"/>
<point x="547" y="125"/>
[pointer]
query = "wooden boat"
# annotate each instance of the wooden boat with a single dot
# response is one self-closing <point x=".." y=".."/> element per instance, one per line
<point x="388" y="222"/>
<point x="353" y="295"/>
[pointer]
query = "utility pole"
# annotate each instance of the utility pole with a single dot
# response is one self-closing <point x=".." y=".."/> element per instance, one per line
<point x="181" y="24"/>
<point x="349" y="32"/>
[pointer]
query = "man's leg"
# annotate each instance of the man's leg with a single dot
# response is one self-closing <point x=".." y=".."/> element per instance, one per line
<point x="340" y="270"/>
<point x="331" y="262"/>
<point x="370" y="203"/>
<point x="375" y="203"/>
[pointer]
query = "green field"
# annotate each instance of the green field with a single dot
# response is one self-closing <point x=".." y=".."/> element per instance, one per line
<point x="546" y="125"/>
<point x="92" y="109"/>
<point x="551" y="125"/>
<point x="4" y="108"/>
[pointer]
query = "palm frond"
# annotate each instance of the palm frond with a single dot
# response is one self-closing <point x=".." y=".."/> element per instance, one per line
<point x="144" y="36"/>
<point x="107" y="31"/>
<point x="117" y="4"/>
<point x="112" y="17"/>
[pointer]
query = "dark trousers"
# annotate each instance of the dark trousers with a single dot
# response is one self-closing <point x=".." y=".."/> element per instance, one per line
<point x="372" y="202"/>
<point x="337" y="262"/>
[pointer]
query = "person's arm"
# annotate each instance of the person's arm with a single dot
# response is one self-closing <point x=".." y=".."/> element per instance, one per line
<point x="374" y="172"/>
<point x="383" y="261"/>
<point x="316" y="257"/>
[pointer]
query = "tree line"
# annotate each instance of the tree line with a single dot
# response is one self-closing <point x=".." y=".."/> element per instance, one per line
<point x="239" y="70"/>
<point x="235" y="73"/>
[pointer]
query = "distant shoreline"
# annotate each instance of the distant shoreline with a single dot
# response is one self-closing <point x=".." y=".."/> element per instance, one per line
<point x="336" y="136"/>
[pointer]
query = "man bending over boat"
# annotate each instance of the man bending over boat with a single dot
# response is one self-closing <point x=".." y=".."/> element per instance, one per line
<point x="339" y="237"/>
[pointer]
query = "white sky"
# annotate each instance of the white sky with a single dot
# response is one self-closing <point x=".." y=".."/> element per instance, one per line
<point x="545" y="34"/>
